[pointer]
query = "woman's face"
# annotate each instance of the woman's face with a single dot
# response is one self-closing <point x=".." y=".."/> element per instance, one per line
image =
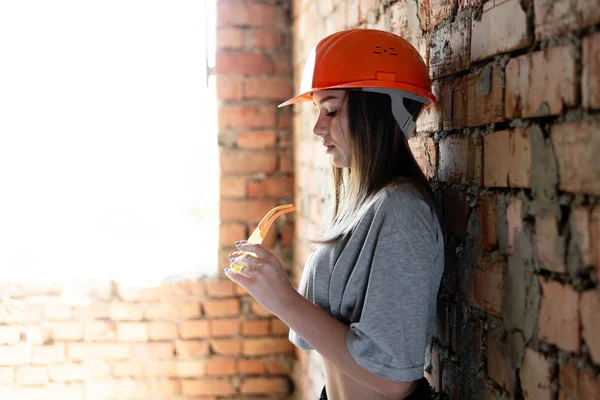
<point x="332" y="125"/>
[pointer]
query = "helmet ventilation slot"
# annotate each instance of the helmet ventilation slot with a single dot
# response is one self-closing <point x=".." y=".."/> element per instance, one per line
<point x="379" y="48"/>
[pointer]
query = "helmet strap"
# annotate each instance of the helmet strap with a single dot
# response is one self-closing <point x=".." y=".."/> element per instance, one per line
<point x="401" y="115"/>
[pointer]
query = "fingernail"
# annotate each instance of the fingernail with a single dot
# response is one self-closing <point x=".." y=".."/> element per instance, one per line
<point x="238" y="245"/>
<point x="227" y="270"/>
<point x="231" y="256"/>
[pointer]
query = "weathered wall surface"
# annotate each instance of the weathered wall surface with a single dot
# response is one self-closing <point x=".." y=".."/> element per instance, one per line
<point x="512" y="151"/>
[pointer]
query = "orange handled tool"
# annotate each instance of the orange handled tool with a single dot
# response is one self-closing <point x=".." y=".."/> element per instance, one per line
<point x="263" y="228"/>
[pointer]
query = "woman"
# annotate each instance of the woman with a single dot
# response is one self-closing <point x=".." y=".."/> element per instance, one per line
<point x="366" y="299"/>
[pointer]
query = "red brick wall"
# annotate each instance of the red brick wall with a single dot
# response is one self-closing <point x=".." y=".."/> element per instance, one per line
<point x="254" y="75"/>
<point x="186" y="340"/>
<point x="512" y="152"/>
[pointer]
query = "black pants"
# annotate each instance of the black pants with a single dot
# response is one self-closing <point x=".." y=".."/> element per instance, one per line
<point x="422" y="391"/>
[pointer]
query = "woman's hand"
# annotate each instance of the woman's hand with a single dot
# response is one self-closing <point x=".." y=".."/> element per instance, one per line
<point x="262" y="276"/>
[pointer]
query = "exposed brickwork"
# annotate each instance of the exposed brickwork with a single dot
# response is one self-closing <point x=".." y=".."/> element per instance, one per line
<point x="511" y="151"/>
<point x="164" y="348"/>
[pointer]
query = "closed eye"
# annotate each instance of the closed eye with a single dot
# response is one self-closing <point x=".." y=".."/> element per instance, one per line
<point x="332" y="113"/>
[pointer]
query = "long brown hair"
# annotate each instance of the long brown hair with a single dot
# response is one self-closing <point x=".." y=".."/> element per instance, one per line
<point x="380" y="157"/>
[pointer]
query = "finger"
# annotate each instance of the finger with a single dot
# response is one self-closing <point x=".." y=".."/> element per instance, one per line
<point x="258" y="249"/>
<point x="249" y="272"/>
<point x="248" y="260"/>
<point x="238" y="278"/>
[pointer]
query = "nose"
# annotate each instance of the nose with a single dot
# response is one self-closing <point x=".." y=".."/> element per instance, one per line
<point x="321" y="126"/>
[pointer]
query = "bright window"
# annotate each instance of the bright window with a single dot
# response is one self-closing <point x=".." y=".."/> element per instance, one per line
<point x="108" y="142"/>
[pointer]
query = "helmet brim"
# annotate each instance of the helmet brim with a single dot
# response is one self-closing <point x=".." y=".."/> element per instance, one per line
<point x="307" y="96"/>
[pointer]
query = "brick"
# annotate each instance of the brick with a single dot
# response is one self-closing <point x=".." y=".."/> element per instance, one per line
<point x="248" y="161"/>
<point x="461" y="160"/>
<point x="9" y="335"/>
<point x="50" y="354"/>
<point x="489" y="285"/>
<point x="535" y="376"/>
<point x="191" y="348"/>
<point x="265" y="385"/>
<point x="575" y="384"/>
<point x="286" y="161"/>
<point x="541" y="84"/>
<point x="126" y="311"/>
<point x="162" y="330"/>
<point x="7" y="375"/>
<point x="403" y="17"/>
<point x="229" y="88"/>
<point x="270" y="88"/>
<point x="256" y="139"/>
<point x="264" y="346"/>
<point x="242" y="13"/>
<point x="229" y="39"/>
<point x="203" y="387"/>
<point x="190" y="368"/>
<point x="502" y="28"/>
<point x="425" y="154"/>
<point x="456" y="220"/>
<point x="226" y="347"/>
<point x="478" y="98"/>
<point x="132" y="331"/>
<point x="66" y="373"/>
<point x="576" y="146"/>
<point x="29" y="375"/>
<point x="221" y="287"/>
<point x="245" y="210"/>
<point x="579" y="222"/>
<point x="233" y="187"/>
<point x="287" y="235"/>
<point x="123" y="369"/>
<point x="100" y="331"/>
<point x="251" y="367"/>
<point x="161" y="368"/>
<point x="259" y="327"/>
<point x="278" y="327"/>
<point x="499" y="365"/>
<point x="154" y="350"/>
<point x="221" y="367"/>
<point x="451" y="53"/>
<point x="514" y="217"/>
<point x="507" y="160"/>
<point x="66" y="330"/>
<point x="277" y="367"/>
<point x="595" y="236"/>
<point x="589" y="309"/>
<point x="173" y="310"/>
<point x="366" y="8"/>
<point x="163" y="388"/>
<point x="246" y="116"/>
<point x="272" y="187"/>
<point x="487" y="221"/>
<point x="57" y="312"/>
<point x="221" y="308"/>
<point x="95" y="369"/>
<point x="433" y="12"/>
<point x="194" y="329"/>
<point x="555" y="17"/>
<point x="224" y="327"/>
<point x="558" y="321"/>
<point x="590" y="74"/>
<point x="103" y="351"/>
<point x="549" y="246"/>
<point x="131" y="389"/>
<point x="263" y="38"/>
<point x="90" y="312"/>
<point x="244" y="64"/>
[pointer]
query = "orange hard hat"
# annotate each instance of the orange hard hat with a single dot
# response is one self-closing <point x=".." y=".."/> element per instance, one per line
<point x="371" y="60"/>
